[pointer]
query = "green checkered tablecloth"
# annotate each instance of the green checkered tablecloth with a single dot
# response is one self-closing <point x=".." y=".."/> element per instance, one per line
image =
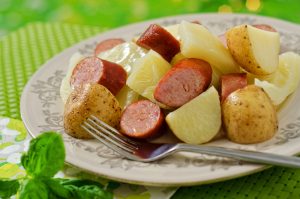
<point x="24" y="51"/>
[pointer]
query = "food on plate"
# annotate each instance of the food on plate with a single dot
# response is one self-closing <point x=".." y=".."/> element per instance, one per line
<point x="124" y="54"/>
<point x="199" y="120"/>
<point x="173" y="30"/>
<point x="231" y="82"/>
<point x="215" y="72"/>
<point x="142" y="119"/>
<point x="147" y="73"/>
<point x="127" y="96"/>
<point x="107" y="44"/>
<point x="223" y="39"/>
<point x="265" y="27"/>
<point x="178" y="57"/>
<point x="90" y="99"/>
<point x="254" y="49"/>
<point x="283" y="81"/>
<point x="198" y="42"/>
<point x="177" y="70"/>
<point x="96" y="70"/>
<point x="185" y="81"/>
<point x="159" y="40"/>
<point x="249" y="116"/>
<point x="65" y="88"/>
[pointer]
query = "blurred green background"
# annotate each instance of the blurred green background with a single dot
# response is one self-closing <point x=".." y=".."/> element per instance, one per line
<point x="112" y="13"/>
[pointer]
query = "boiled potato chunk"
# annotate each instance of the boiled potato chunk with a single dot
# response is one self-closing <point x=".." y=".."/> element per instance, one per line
<point x="86" y="100"/>
<point x="255" y="50"/>
<point x="147" y="72"/>
<point x="199" y="120"/>
<point x="249" y="116"/>
<point x="198" y="42"/>
<point x="284" y="81"/>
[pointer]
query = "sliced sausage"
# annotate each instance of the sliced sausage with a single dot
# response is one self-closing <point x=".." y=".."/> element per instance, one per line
<point x="107" y="44"/>
<point x="231" y="82"/>
<point x="186" y="80"/>
<point x="96" y="70"/>
<point x="265" y="27"/>
<point x="141" y="120"/>
<point x="159" y="40"/>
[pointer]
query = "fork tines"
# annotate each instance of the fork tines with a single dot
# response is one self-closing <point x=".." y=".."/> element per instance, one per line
<point x="109" y="136"/>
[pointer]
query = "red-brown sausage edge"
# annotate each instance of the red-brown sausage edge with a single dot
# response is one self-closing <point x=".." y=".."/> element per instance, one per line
<point x="186" y="80"/>
<point x="159" y="40"/>
<point x="142" y="120"/>
<point x="230" y="83"/>
<point x="96" y="70"/>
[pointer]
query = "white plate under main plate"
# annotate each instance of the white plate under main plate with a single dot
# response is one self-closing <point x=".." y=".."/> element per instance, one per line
<point x="42" y="109"/>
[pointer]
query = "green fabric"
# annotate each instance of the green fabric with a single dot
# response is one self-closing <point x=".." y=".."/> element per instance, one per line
<point x="23" y="51"/>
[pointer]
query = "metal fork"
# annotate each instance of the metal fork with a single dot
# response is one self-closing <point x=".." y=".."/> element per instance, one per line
<point x="148" y="152"/>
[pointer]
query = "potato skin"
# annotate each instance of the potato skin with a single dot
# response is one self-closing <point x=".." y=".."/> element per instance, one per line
<point x="239" y="46"/>
<point x="249" y="116"/>
<point x="90" y="99"/>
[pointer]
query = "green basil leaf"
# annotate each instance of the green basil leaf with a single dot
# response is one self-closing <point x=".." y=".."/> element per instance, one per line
<point x="33" y="189"/>
<point x="85" y="189"/>
<point x="8" y="188"/>
<point x="79" y="182"/>
<point x="45" y="156"/>
<point x="89" y="192"/>
<point x="57" y="189"/>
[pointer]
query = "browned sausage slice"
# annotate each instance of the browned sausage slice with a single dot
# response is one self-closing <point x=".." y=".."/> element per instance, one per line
<point x="141" y="120"/>
<point x="231" y="82"/>
<point x="186" y="80"/>
<point x="96" y="70"/>
<point x="159" y="40"/>
<point x="107" y="44"/>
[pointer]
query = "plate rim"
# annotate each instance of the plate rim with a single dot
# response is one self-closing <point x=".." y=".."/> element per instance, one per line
<point x="26" y="90"/>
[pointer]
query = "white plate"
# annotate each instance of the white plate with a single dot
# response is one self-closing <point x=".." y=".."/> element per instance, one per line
<point x="42" y="109"/>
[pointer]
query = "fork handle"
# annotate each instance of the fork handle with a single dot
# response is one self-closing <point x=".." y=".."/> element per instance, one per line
<point x="249" y="156"/>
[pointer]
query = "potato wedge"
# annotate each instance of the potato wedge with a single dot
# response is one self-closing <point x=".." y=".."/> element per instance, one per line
<point x="199" y="120"/>
<point x="90" y="99"/>
<point x="254" y="49"/>
<point x="197" y="42"/>
<point x="249" y="116"/>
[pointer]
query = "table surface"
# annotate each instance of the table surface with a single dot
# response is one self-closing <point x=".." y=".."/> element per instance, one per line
<point x="24" y="50"/>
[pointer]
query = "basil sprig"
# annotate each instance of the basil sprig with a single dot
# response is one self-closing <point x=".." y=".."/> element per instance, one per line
<point x="43" y="160"/>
